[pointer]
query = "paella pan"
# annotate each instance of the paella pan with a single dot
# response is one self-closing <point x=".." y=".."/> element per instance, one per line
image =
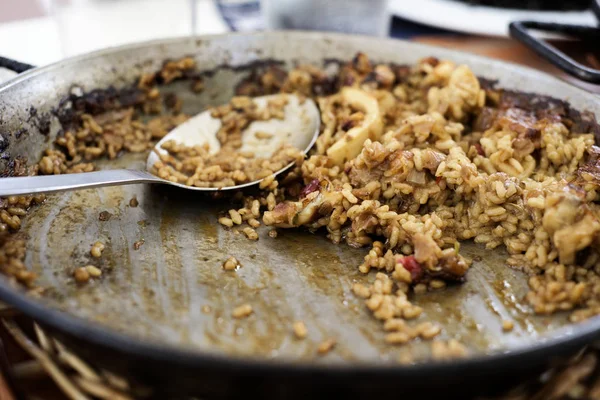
<point x="443" y="228"/>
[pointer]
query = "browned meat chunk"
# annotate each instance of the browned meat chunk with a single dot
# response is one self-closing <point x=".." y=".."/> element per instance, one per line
<point x="313" y="186"/>
<point x="572" y="225"/>
<point x="520" y="121"/>
<point x="432" y="159"/>
<point x="578" y="236"/>
<point x="365" y="222"/>
<point x="375" y="160"/>
<point x="437" y="264"/>
<point x="485" y="120"/>
<point x="427" y="252"/>
<point x="541" y="106"/>
<point x="296" y="213"/>
<point x="369" y="165"/>
<point x="562" y="209"/>
<point x="590" y="172"/>
<point x="282" y="214"/>
<point x="451" y="268"/>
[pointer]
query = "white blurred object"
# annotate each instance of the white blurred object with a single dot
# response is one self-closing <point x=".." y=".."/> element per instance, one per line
<point x="6" y="74"/>
<point x="34" y="41"/>
<point x="367" y="17"/>
<point x="86" y="25"/>
<point x="46" y="5"/>
<point x="93" y="24"/>
<point x="481" y="20"/>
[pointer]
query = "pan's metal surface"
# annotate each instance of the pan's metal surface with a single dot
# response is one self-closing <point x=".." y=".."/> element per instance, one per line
<point x="158" y="292"/>
<point x="154" y="297"/>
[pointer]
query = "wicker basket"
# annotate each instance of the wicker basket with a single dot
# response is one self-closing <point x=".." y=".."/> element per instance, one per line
<point x="41" y="367"/>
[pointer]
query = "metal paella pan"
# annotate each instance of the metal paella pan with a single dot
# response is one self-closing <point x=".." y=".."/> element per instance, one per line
<point x="161" y="314"/>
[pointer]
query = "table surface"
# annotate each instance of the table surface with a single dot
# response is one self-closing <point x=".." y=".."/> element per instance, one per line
<point x="38" y="42"/>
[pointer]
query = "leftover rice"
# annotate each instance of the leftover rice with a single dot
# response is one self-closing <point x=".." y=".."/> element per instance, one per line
<point x="410" y="161"/>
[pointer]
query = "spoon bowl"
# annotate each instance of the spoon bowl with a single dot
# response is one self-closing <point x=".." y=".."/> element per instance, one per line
<point x="299" y="127"/>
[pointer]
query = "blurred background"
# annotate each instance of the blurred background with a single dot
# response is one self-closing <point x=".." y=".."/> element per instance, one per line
<point x="43" y="31"/>
<point x="40" y="32"/>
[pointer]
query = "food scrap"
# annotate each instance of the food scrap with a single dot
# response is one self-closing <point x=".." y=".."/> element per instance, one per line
<point x="231" y="264"/>
<point x="300" y="329"/>
<point x="96" y="250"/>
<point x="104" y="216"/>
<point x="133" y="202"/>
<point x="242" y="311"/>
<point x="326" y="346"/>
<point x="83" y="274"/>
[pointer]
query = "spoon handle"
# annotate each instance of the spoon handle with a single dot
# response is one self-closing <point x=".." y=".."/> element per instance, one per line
<point x="57" y="183"/>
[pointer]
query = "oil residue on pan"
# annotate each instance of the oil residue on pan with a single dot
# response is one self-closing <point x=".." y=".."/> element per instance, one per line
<point x="174" y="289"/>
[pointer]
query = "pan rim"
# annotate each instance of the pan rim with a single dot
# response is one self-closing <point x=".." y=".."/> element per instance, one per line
<point x="97" y="334"/>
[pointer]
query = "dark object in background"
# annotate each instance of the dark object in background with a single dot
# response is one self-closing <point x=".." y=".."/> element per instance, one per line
<point x="241" y="15"/>
<point x="589" y="36"/>
<point x="533" y="5"/>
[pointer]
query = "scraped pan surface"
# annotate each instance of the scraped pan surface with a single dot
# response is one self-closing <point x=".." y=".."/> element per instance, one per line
<point x="171" y="301"/>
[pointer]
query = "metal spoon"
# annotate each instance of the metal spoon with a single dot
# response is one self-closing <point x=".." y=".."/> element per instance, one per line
<point x="299" y="127"/>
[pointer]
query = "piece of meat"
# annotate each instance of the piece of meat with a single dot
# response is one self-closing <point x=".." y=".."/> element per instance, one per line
<point x="520" y="121"/>
<point x="415" y="269"/>
<point x="526" y="114"/>
<point x="451" y="268"/>
<point x="374" y="154"/>
<point x="308" y="189"/>
<point x="375" y="160"/>
<point x="402" y="72"/>
<point x="427" y="252"/>
<point x="584" y="122"/>
<point x="563" y="208"/>
<point x="552" y="109"/>
<point x="361" y="63"/>
<point x="571" y="223"/>
<point x="361" y="175"/>
<point x="590" y="171"/>
<point x="369" y="165"/>
<point x="282" y="214"/>
<point x="541" y="106"/>
<point x="432" y="159"/>
<point x="309" y="210"/>
<point x="438" y="265"/>
<point x="485" y="120"/>
<point x="487" y="84"/>
<point x="384" y="75"/>
<point x="432" y="61"/>
<point x="289" y="214"/>
<point x="594" y="153"/>
<point x="366" y="222"/>
<point x="523" y="122"/>
<point x="479" y="149"/>
<point x="570" y="239"/>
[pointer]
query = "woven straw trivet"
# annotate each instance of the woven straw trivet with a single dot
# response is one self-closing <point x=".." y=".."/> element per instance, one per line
<point x="74" y="379"/>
